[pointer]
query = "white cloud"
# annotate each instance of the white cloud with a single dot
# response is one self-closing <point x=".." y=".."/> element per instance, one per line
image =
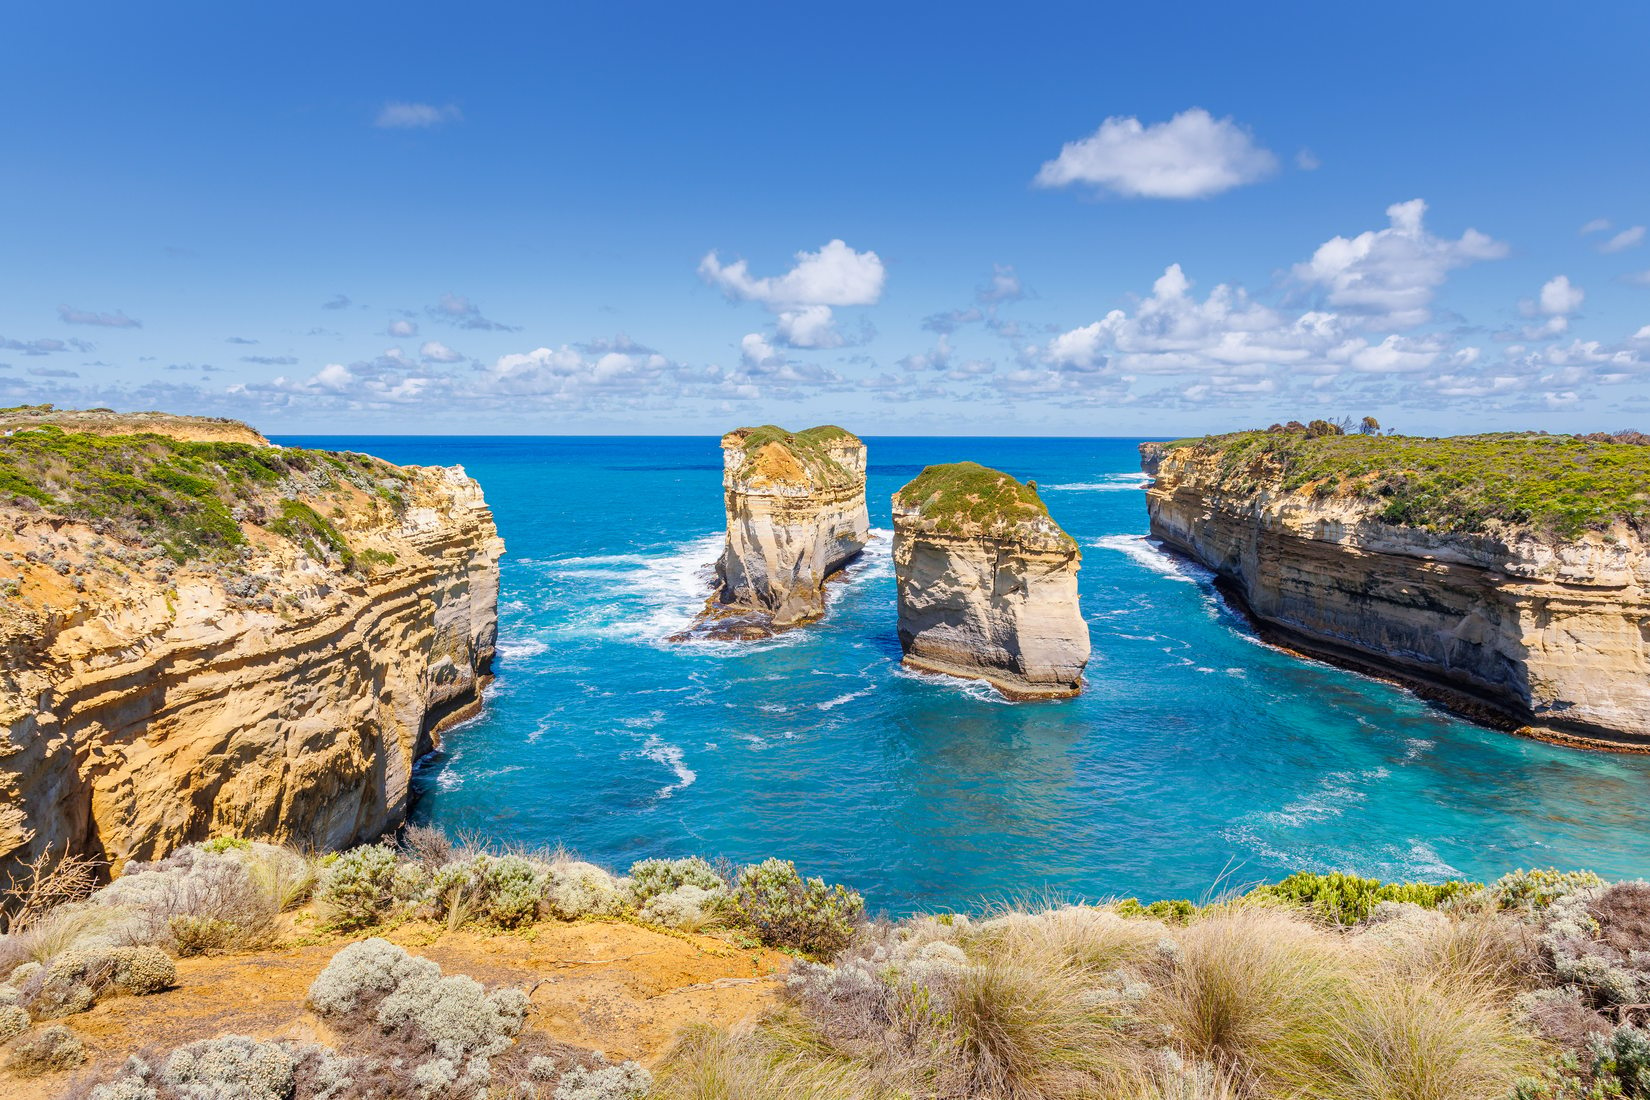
<point x="1192" y="156"/>
<point x="415" y="116"/>
<point x="1559" y="298"/>
<point x="757" y="354"/>
<point x="458" y="310"/>
<point x="1390" y="275"/>
<point x="402" y="329"/>
<point x="1597" y="225"/>
<point x="434" y="351"/>
<point x="1307" y="161"/>
<point x="836" y="275"/>
<point x="1624" y="240"/>
<point x="808" y="327"/>
<point x="1003" y="287"/>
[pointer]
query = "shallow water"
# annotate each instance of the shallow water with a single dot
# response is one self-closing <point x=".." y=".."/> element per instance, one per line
<point x="1196" y="759"/>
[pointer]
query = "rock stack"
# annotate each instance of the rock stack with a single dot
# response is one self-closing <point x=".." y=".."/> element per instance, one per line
<point x="796" y="515"/>
<point x="987" y="583"/>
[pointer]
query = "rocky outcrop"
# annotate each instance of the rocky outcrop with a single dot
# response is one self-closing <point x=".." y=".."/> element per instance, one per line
<point x="987" y="583"/>
<point x="277" y="679"/>
<point x="1511" y="626"/>
<point x="796" y="515"/>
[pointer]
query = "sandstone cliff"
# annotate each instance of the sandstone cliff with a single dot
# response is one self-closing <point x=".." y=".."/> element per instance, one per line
<point x="795" y="515"/>
<point x="206" y="638"/>
<point x="1518" y="593"/>
<point x="197" y="429"/>
<point x="987" y="583"/>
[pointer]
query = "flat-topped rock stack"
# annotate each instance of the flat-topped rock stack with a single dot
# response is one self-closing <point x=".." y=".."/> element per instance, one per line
<point x="796" y="515"/>
<point x="987" y="583"/>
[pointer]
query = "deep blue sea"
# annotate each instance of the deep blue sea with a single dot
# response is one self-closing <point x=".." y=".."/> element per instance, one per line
<point x="1197" y="759"/>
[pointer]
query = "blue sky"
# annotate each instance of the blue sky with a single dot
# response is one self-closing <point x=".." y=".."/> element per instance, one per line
<point x="1073" y="219"/>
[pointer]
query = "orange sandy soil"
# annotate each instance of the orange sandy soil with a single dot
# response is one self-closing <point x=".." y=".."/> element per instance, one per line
<point x="619" y="988"/>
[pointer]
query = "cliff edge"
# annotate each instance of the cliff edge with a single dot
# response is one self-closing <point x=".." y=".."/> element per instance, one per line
<point x="207" y="638"/>
<point x="796" y="514"/>
<point x="987" y="583"/>
<point x="1503" y="575"/>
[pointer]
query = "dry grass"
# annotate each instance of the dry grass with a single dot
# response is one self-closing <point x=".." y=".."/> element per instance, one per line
<point x="1251" y="990"/>
<point x="1421" y="1039"/>
<point x="707" y="1064"/>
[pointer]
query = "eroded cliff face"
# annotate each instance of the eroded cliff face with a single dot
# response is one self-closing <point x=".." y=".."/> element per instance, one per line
<point x="796" y="514"/>
<point x="283" y="691"/>
<point x="987" y="585"/>
<point x="1550" y="637"/>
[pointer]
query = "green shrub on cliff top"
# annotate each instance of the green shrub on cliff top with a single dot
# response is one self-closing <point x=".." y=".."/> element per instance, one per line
<point x="1554" y="485"/>
<point x="810" y="448"/>
<point x="959" y="495"/>
<point x="180" y="495"/>
<point x="785" y="910"/>
<point x="1348" y="899"/>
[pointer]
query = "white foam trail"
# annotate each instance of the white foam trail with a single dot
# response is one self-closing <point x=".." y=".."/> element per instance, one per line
<point x="522" y="649"/>
<point x="876" y="560"/>
<point x="1143" y="551"/>
<point x="978" y="689"/>
<point x="663" y="752"/>
<point x="831" y="704"/>
<point x="1110" y="483"/>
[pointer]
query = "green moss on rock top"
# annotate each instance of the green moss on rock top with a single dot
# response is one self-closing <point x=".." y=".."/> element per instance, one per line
<point x="1553" y="486"/>
<point x="963" y="497"/>
<point x="811" y="448"/>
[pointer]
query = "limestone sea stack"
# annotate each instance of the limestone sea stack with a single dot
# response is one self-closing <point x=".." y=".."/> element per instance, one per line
<point x="205" y="635"/>
<point x="1506" y="576"/>
<point x="987" y="583"/>
<point x="796" y="514"/>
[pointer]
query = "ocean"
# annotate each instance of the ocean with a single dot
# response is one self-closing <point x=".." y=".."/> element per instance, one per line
<point x="1196" y="761"/>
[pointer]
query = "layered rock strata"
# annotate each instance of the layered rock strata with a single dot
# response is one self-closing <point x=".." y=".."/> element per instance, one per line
<point x="796" y="515"/>
<point x="1513" y="626"/>
<point x="987" y="583"/>
<point x="265" y="655"/>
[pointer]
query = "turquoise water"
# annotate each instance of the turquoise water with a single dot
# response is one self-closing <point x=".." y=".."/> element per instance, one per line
<point x="1197" y="758"/>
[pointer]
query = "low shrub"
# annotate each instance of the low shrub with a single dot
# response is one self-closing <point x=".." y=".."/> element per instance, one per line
<point x="1348" y="899"/>
<point x="1173" y="911"/>
<point x="785" y="910"/>
<point x="1535" y="889"/>
<point x="357" y="888"/>
<point x="52" y="1049"/>
<point x="78" y="978"/>
<point x="217" y="893"/>
<point x="651" y="878"/>
<point x="14" y="1021"/>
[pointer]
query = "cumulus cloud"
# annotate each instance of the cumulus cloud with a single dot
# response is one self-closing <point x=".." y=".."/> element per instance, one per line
<point x="239" y="340"/>
<point x="402" y="329"/>
<point x="1192" y="156"/>
<point x="808" y="327"/>
<point x="117" y="319"/>
<point x="1597" y="225"/>
<point x="455" y="309"/>
<point x="952" y="320"/>
<point x="1389" y="276"/>
<point x="337" y="301"/>
<point x="53" y="372"/>
<point x="1558" y="296"/>
<point x="836" y="275"/>
<point x="1627" y="238"/>
<point x="436" y="352"/>
<point x="1307" y="161"/>
<point x="803" y="297"/>
<point x="271" y="360"/>
<point x="396" y="115"/>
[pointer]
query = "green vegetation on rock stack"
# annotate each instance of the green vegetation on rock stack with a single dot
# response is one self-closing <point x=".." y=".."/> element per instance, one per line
<point x="1552" y="485"/>
<point x="960" y="497"/>
<point x="182" y="496"/>
<point x="810" y="447"/>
